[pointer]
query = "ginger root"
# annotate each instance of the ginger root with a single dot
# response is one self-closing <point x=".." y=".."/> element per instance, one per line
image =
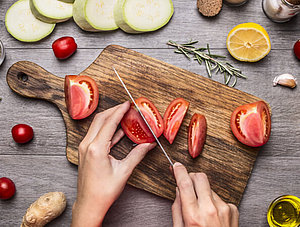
<point x="44" y="209"/>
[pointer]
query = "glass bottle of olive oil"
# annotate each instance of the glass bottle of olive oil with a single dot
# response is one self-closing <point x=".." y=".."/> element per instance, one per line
<point x="284" y="212"/>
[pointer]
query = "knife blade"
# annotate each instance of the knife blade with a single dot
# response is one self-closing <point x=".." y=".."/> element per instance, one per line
<point x="142" y="115"/>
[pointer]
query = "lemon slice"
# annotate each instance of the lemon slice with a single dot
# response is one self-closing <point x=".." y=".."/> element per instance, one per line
<point x="248" y="42"/>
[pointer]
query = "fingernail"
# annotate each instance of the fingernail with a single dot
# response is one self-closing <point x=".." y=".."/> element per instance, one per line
<point x="149" y="145"/>
<point x="176" y="164"/>
<point x="152" y="145"/>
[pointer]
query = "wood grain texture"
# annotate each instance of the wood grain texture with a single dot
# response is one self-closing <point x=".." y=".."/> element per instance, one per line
<point x="227" y="162"/>
<point x="50" y="138"/>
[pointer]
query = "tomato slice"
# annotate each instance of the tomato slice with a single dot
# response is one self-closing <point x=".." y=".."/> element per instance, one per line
<point x="251" y="124"/>
<point x="173" y="118"/>
<point x="82" y="96"/>
<point x="135" y="127"/>
<point x="197" y="134"/>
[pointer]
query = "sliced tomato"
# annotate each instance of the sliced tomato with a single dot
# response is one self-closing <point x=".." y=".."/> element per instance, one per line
<point x="173" y="118"/>
<point x="251" y="124"/>
<point x="197" y="134"/>
<point x="82" y="96"/>
<point x="135" y="127"/>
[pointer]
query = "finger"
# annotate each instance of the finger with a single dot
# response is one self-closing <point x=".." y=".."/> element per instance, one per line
<point x="97" y="124"/>
<point x="186" y="188"/>
<point x="234" y="215"/>
<point x="176" y="211"/>
<point x="117" y="137"/>
<point x="136" y="156"/>
<point x="202" y="188"/>
<point x="217" y="200"/>
<point x="224" y="211"/>
<point x="104" y="136"/>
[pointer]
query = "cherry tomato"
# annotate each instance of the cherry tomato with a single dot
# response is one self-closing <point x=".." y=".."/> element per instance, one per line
<point x="7" y="188"/>
<point x="22" y="133"/>
<point x="173" y="118"/>
<point x="82" y="96"/>
<point x="297" y="49"/>
<point x="135" y="127"/>
<point x="64" y="47"/>
<point x="197" y="134"/>
<point x="251" y="124"/>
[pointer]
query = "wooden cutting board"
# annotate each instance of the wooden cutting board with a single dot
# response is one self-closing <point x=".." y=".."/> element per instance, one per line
<point x="227" y="162"/>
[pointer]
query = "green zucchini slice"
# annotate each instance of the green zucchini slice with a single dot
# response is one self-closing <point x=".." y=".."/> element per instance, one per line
<point x="67" y="1"/>
<point x="137" y="16"/>
<point x="51" y="11"/>
<point x="95" y="15"/>
<point x="23" y="26"/>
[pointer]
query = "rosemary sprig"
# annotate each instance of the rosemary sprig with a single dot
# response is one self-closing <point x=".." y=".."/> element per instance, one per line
<point x="212" y="62"/>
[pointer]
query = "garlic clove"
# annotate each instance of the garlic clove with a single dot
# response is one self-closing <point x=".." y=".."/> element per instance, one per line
<point x="286" y="79"/>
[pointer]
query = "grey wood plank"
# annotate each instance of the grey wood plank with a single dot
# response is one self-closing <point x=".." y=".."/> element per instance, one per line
<point x="36" y="175"/>
<point x="50" y="130"/>
<point x="271" y="178"/>
<point x="186" y="24"/>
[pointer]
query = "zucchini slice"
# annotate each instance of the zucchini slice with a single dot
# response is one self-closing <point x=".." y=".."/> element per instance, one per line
<point x="23" y="26"/>
<point x="67" y="1"/>
<point x="51" y="11"/>
<point x="137" y="16"/>
<point x="95" y="15"/>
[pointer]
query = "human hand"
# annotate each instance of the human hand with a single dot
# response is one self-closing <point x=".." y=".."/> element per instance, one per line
<point x="197" y="205"/>
<point x="102" y="178"/>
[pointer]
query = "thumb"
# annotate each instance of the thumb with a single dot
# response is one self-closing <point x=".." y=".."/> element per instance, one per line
<point x="136" y="155"/>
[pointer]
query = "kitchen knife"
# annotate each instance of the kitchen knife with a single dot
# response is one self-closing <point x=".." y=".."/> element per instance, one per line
<point x="142" y="115"/>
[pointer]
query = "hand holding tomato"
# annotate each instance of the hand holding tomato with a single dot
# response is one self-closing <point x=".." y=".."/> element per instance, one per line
<point x="64" y="47"/>
<point x="102" y="178"/>
<point x="197" y="205"/>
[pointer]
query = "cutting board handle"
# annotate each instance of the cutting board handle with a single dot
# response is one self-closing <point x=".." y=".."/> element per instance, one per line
<point x="30" y="80"/>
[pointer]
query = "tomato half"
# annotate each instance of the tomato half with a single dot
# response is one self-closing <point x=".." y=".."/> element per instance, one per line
<point x="135" y="127"/>
<point x="82" y="96"/>
<point x="197" y="134"/>
<point x="173" y="118"/>
<point x="251" y="124"/>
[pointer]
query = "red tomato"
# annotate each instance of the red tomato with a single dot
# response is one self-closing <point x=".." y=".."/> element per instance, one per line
<point x="297" y="49"/>
<point x="135" y="127"/>
<point x="22" y="133"/>
<point x="82" y="96"/>
<point x="173" y="118"/>
<point x="197" y="134"/>
<point x="64" y="47"/>
<point x="251" y="124"/>
<point x="7" y="188"/>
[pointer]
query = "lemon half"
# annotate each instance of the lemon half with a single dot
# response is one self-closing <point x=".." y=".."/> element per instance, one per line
<point x="248" y="42"/>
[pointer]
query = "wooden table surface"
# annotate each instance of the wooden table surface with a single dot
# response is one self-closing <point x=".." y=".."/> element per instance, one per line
<point x="41" y="166"/>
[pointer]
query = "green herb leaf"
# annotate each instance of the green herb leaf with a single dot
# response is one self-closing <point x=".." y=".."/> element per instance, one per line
<point x="212" y="63"/>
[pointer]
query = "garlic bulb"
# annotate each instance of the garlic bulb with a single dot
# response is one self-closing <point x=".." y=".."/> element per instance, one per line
<point x="287" y="80"/>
